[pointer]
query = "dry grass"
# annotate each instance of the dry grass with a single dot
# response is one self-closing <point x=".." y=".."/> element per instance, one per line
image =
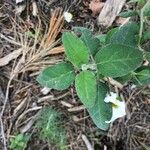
<point x="35" y="53"/>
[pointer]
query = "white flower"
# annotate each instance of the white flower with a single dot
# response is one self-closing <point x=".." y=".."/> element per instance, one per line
<point x="118" y="107"/>
<point x="68" y="16"/>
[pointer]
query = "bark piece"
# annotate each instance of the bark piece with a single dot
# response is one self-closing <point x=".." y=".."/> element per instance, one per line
<point x="109" y="12"/>
<point x="13" y="55"/>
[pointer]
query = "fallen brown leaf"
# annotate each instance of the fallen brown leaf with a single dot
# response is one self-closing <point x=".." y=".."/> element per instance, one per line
<point x="96" y="6"/>
<point x="122" y="21"/>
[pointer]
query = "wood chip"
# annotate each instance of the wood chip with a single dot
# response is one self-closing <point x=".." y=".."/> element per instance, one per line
<point x="20" y="9"/>
<point x="78" y="108"/>
<point x="2" y="97"/>
<point x="13" y="55"/>
<point x="35" y="9"/>
<point x="20" y="106"/>
<point x="109" y="12"/>
<point x="28" y="126"/>
<point x="87" y="142"/>
<point x="66" y="104"/>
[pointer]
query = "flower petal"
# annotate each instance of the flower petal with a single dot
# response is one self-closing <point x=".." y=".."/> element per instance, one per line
<point x="112" y="97"/>
<point x="118" y="111"/>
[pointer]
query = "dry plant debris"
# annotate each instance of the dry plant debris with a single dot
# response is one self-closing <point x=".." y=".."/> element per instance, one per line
<point x="96" y="6"/>
<point x="109" y="12"/>
<point x="13" y="55"/>
<point x="133" y="131"/>
<point x="32" y="55"/>
<point x="33" y="58"/>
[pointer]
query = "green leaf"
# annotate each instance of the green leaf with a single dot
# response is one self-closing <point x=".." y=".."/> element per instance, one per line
<point x="91" y="42"/>
<point x="75" y="49"/>
<point x="146" y="35"/>
<point x="19" y="142"/>
<point x="124" y="79"/>
<point x="128" y="13"/>
<point x="59" y="76"/>
<point x="146" y="9"/>
<point x="101" y="111"/>
<point x="126" y="35"/>
<point x="110" y="34"/>
<point x="148" y="56"/>
<point x="140" y="2"/>
<point x="143" y="76"/>
<point x="102" y="38"/>
<point x="85" y="84"/>
<point x="116" y="60"/>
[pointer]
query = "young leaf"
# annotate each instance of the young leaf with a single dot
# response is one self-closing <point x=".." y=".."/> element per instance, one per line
<point x="116" y="60"/>
<point x="148" y="56"/>
<point x="101" y="111"/>
<point x="85" y="84"/>
<point x="128" y="13"/>
<point x="143" y="76"/>
<point x="75" y="49"/>
<point x="58" y="77"/>
<point x="126" y="35"/>
<point x="91" y="42"/>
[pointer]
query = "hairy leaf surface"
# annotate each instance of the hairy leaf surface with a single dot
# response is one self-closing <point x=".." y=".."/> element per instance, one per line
<point x="101" y="111"/>
<point x="126" y="35"/>
<point x="58" y="77"/>
<point x="90" y="41"/>
<point x="75" y="49"/>
<point x="85" y="84"/>
<point x="117" y="60"/>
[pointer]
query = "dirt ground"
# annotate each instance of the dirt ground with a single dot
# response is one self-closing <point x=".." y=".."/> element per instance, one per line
<point x="24" y="97"/>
